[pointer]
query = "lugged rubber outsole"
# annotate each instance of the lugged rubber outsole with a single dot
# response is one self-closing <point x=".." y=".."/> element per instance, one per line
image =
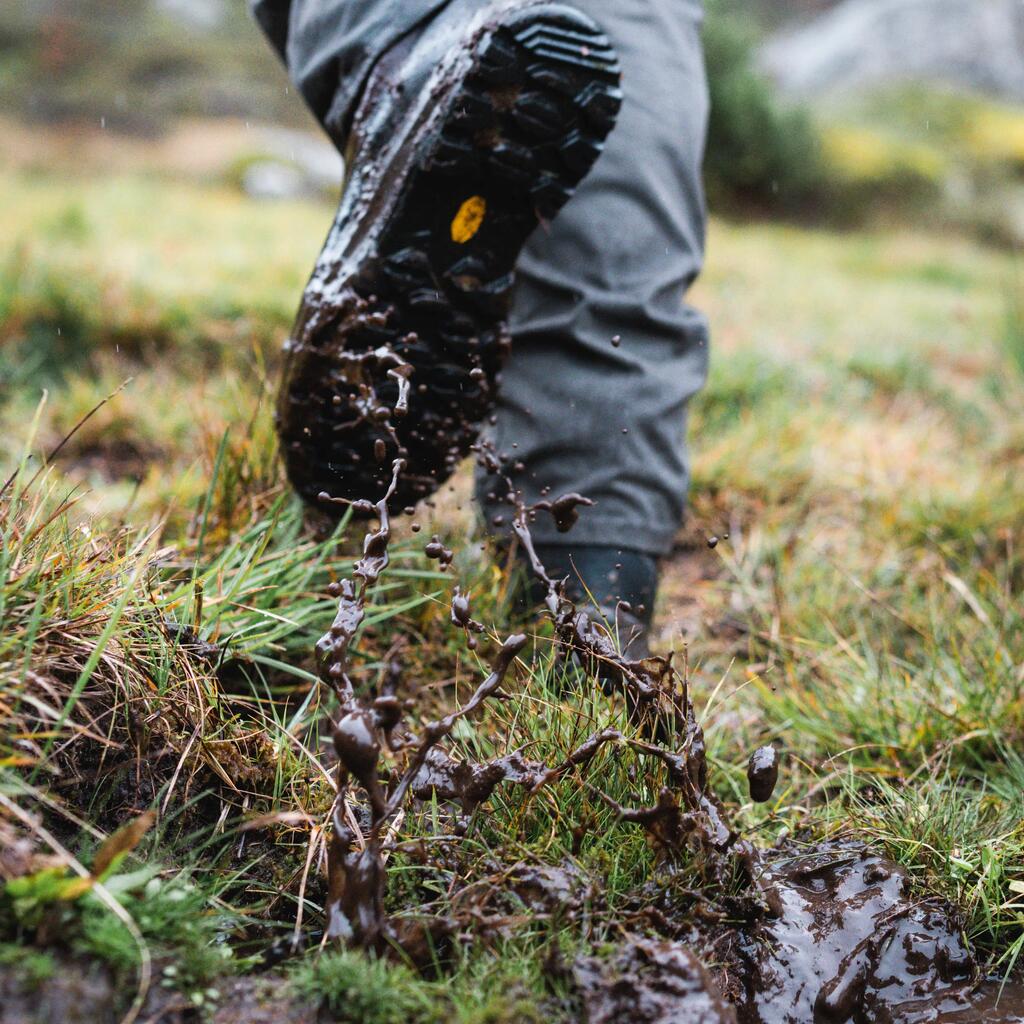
<point x="521" y="128"/>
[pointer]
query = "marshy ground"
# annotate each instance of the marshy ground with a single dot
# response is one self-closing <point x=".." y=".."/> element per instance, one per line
<point x="858" y="453"/>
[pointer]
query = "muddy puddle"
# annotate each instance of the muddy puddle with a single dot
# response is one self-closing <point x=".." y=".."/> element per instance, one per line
<point x="816" y="935"/>
<point x="845" y="938"/>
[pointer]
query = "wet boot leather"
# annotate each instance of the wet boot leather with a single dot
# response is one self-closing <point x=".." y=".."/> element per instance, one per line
<point x="470" y="133"/>
<point x="617" y="587"/>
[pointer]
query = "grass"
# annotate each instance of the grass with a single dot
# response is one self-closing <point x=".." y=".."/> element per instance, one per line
<point x="161" y="592"/>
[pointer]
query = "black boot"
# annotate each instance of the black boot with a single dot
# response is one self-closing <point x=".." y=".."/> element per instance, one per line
<point x="619" y="586"/>
<point x="468" y="135"/>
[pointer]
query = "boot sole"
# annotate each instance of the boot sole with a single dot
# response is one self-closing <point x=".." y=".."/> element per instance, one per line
<point x="520" y="129"/>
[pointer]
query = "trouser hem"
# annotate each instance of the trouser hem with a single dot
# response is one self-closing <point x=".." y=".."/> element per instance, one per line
<point x="596" y="532"/>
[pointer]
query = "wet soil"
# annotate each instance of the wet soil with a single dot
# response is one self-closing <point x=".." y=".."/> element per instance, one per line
<point x="87" y="993"/>
<point x="845" y="939"/>
<point x="649" y="982"/>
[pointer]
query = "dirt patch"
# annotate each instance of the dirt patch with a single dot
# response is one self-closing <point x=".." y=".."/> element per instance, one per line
<point x="261" y="1001"/>
<point x="649" y="982"/>
<point x="78" y="993"/>
<point x="87" y="993"/>
<point x="113" y="460"/>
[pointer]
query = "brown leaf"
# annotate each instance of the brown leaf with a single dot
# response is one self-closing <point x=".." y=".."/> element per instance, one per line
<point x="121" y="842"/>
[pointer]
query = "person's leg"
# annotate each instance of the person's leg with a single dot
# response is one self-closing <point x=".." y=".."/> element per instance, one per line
<point x="330" y="46"/>
<point x="605" y="354"/>
<point x="578" y="411"/>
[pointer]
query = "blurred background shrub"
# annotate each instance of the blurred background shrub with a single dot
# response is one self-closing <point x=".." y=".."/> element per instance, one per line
<point x="137" y="64"/>
<point x="761" y="153"/>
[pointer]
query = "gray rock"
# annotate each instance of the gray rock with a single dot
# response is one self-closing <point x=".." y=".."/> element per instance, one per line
<point x="271" y="179"/>
<point x="977" y="44"/>
<point x="201" y="14"/>
<point x="319" y="162"/>
<point x="292" y="164"/>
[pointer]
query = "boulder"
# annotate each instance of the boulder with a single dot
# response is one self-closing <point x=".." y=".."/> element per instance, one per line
<point x="974" y="44"/>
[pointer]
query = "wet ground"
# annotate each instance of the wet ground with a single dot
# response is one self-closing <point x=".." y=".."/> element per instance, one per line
<point x="845" y="938"/>
<point x="82" y="993"/>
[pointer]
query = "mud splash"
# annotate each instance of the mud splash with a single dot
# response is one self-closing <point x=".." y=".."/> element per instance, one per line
<point x="845" y="940"/>
<point x="826" y="935"/>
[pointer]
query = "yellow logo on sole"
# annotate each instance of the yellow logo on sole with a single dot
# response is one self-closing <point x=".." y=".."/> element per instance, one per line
<point x="468" y="220"/>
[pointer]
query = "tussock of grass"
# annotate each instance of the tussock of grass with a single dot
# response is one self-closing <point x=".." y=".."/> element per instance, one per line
<point x="362" y="990"/>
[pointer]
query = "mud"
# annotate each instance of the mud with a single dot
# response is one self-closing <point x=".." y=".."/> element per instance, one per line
<point x="649" y="982"/>
<point x="844" y="939"/>
<point x="762" y="774"/>
<point x="439" y="553"/>
<point x="191" y="643"/>
<point x="469" y="784"/>
<point x="546" y="889"/>
<point x="564" y="510"/>
<point x="461" y="618"/>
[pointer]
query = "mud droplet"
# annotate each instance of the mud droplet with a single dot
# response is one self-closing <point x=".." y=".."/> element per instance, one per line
<point x="437" y="551"/>
<point x="712" y="541"/>
<point x="763" y="773"/>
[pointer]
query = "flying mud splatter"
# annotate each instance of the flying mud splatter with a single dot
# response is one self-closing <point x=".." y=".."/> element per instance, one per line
<point x="763" y="774"/>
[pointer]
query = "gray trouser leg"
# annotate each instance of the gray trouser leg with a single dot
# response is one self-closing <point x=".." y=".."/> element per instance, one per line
<point x="586" y="415"/>
<point x="579" y="412"/>
<point x="329" y="47"/>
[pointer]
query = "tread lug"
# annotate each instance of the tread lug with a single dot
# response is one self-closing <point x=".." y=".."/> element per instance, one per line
<point x="579" y="152"/>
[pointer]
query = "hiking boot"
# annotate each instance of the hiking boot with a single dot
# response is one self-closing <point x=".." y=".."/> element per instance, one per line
<point x="614" y="592"/>
<point x="614" y="586"/>
<point x="468" y="136"/>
